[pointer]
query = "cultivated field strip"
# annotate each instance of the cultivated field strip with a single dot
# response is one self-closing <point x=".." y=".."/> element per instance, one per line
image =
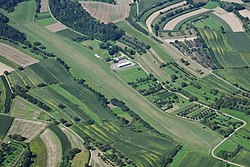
<point x="27" y="128"/>
<point x="4" y="67"/>
<point x="56" y="27"/>
<point x="124" y="2"/>
<point x="172" y="23"/>
<point x="152" y="17"/>
<point x="245" y="13"/>
<point x="107" y="12"/>
<point x="52" y="144"/>
<point x="44" y="6"/>
<point x="232" y="20"/>
<point x="16" y="56"/>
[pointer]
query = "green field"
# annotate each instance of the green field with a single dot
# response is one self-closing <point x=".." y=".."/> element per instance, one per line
<point x="68" y="33"/>
<point x="39" y="149"/>
<point x="211" y="5"/>
<point x="45" y="21"/>
<point x="227" y="56"/>
<point x="8" y="63"/>
<point x="81" y="159"/>
<point x="5" y="123"/>
<point x="132" y="74"/>
<point x="236" y="76"/>
<point x="239" y="41"/>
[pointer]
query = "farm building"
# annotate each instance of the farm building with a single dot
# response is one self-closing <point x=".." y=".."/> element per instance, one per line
<point x="124" y="64"/>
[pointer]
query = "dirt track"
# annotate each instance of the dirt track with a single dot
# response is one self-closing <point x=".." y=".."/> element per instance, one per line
<point x="153" y="16"/>
<point x="53" y="147"/>
<point x="107" y="12"/>
<point x="16" y="56"/>
<point x="172" y="23"/>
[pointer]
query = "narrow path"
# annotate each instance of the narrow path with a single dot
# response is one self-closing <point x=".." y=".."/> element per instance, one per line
<point x="137" y="8"/>
<point x="8" y="83"/>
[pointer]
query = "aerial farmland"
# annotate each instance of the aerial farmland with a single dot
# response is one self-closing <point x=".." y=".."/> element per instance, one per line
<point x="109" y="83"/>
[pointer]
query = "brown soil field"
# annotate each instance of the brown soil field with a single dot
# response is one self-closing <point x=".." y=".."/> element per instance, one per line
<point x="232" y="20"/>
<point x="44" y="6"/>
<point x="107" y="12"/>
<point x="27" y="128"/>
<point x="245" y="13"/>
<point x="53" y="146"/>
<point x="56" y="27"/>
<point x="4" y="67"/>
<point x="16" y="56"/>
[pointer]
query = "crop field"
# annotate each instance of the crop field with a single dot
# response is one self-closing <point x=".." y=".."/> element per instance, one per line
<point x="81" y="159"/>
<point x="239" y="41"/>
<point x="38" y="148"/>
<point x="153" y="16"/>
<point x="69" y="34"/>
<point x="236" y="76"/>
<point x="44" y="6"/>
<point x="213" y="22"/>
<point x="4" y="68"/>
<point x="232" y="20"/>
<point x="53" y="147"/>
<point x="28" y="129"/>
<point x="5" y="124"/>
<point x="172" y="23"/>
<point x="245" y="13"/>
<point x="16" y="56"/>
<point x="144" y="5"/>
<point x="65" y="143"/>
<point x="23" y="109"/>
<point x="54" y="27"/>
<point x="211" y="5"/>
<point x="212" y="81"/>
<point x="223" y="51"/>
<point x="82" y="63"/>
<point x="107" y="12"/>
<point x="7" y="62"/>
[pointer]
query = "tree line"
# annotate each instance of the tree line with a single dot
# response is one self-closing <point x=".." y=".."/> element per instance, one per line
<point x="74" y="16"/>
<point x="9" y="5"/>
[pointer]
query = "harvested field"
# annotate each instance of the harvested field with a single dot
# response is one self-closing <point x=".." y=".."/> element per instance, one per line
<point x="44" y="6"/>
<point x="27" y="128"/>
<point x="232" y="20"/>
<point x="16" y="56"/>
<point x="56" y="27"/>
<point x="219" y="10"/>
<point x="172" y="23"/>
<point x="123" y="2"/>
<point x="53" y="147"/>
<point x="152" y="17"/>
<point x="107" y="12"/>
<point x="4" y="67"/>
<point x="245" y="13"/>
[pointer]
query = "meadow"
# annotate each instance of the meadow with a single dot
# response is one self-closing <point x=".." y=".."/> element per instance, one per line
<point x="38" y="148"/>
<point x="211" y="5"/>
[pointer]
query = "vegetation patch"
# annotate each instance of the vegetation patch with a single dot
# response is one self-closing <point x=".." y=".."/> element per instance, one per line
<point x="5" y="123"/>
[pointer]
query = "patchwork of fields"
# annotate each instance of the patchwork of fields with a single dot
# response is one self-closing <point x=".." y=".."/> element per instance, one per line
<point x="71" y="109"/>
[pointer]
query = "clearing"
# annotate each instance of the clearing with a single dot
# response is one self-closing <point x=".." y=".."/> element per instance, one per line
<point x="44" y="6"/>
<point x="232" y="20"/>
<point x="107" y="12"/>
<point x="153" y="16"/>
<point x="53" y="147"/>
<point x="16" y="56"/>
<point x="27" y="128"/>
<point x="56" y="27"/>
<point x="172" y="23"/>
